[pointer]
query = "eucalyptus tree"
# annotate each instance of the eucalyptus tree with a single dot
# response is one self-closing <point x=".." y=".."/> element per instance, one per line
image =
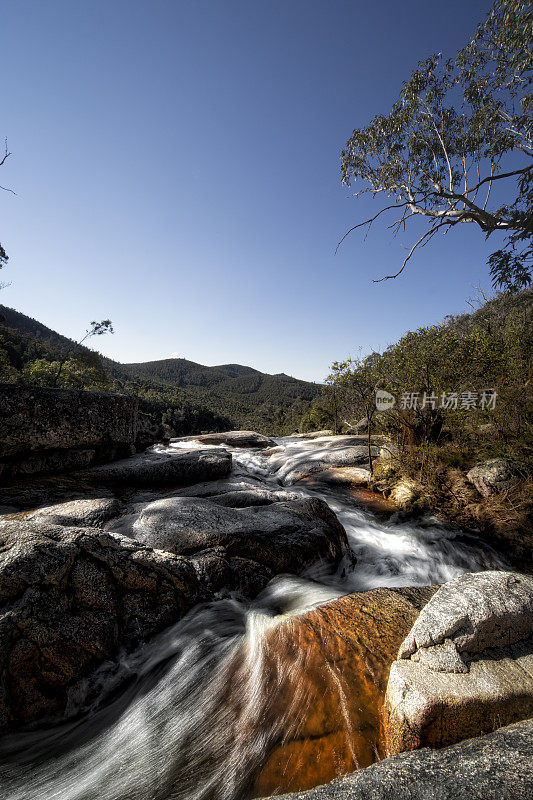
<point x="459" y="136"/>
<point x="95" y="329"/>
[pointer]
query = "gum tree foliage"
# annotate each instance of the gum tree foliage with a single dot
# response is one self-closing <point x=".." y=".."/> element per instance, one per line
<point x="356" y="381"/>
<point x="461" y="128"/>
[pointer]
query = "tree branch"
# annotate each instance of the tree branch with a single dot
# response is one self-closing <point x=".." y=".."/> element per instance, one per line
<point x="427" y="236"/>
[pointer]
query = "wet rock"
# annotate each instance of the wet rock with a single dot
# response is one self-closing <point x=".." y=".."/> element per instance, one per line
<point x="495" y="475"/>
<point x="344" y="476"/>
<point x="466" y="666"/>
<point x="284" y="537"/>
<point x="218" y="572"/>
<point x="233" y="439"/>
<point x="71" y="598"/>
<point x="161" y="469"/>
<point x="328" y="670"/>
<point x="237" y="493"/>
<point x="301" y="465"/>
<point x="498" y="766"/>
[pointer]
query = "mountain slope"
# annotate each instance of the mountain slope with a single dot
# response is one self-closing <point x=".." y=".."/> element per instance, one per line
<point x="241" y="395"/>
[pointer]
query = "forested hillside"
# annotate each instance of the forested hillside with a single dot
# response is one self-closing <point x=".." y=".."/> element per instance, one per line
<point x="490" y="349"/>
<point x="188" y="397"/>
<point x="463" y="393"/>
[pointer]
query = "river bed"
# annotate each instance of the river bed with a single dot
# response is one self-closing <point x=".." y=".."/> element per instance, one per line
<point x="189" y="715"/>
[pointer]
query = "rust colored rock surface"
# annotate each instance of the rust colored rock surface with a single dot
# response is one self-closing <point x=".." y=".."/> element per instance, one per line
<point x="329" y="673"/>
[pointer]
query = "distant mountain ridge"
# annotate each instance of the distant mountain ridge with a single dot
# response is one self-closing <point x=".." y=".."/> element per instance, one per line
<point x="248" y="397"/>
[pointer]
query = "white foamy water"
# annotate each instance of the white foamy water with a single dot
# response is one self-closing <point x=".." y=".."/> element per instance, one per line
<point x="191" y="715"/>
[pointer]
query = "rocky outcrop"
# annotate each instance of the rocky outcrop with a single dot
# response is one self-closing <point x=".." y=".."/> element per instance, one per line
<point x="404" y="493"/>
<point x="276" y="538"/>
<point x="71" y="598"/>
<point x="167" y="468"/>
<point x="344" y="476"/>
<point x="498" y="766"/>
<point x="298" y="465"/>
<point x="466" y="666"/>
<point x="495" y="475"/>
<point x="50" y="430"/>
<point x="74" y="595"/>
<point x="328" y="671"/>
<point x="233" y="439"/>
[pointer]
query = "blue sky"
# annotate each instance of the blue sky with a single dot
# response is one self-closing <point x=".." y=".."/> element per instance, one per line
<point x="177" y="170"/>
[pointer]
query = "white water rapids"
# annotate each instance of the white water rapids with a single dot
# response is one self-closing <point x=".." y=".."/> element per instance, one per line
<point x="189" y="716"/>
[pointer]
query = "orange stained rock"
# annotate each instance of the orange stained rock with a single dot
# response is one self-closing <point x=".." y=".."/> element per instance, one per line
<point x="328" y="672"/>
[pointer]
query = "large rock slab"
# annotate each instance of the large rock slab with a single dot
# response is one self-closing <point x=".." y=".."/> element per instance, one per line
<point x="247" y="439"/>
<point x="179" y="467"/>
<point x="71" y="598"/>
<point x="237" y="492"/>
<point x="85" y="513"/>
<point x="466" y="666"/>
<point x="283" y="537"/>
<point x="498" y="766"/>
<point x="495" y="475"/>
<point x="328" y="671"/>
<point x="303" y="464"/>
<point x="44" y="429"/>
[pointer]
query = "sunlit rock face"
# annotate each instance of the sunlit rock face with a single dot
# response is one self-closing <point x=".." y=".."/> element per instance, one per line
<point x="329" y="670"/>
<point x="466" y="667"/>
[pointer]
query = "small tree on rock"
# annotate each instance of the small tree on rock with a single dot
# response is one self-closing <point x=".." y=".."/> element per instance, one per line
<point x="96" y="329"/>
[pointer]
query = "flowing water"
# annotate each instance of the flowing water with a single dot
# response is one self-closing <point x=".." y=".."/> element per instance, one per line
<point x="192" y="714"/>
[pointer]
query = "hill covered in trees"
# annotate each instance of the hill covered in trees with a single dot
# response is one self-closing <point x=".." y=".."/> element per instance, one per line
<point x="188" y="397"/>
<point x="488" y="350"/>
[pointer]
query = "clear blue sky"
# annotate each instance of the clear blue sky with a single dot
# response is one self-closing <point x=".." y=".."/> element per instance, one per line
<point x="176" y="165"/>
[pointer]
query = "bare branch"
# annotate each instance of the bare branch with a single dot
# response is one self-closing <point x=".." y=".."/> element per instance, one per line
<point x="369" y="221"/>
<point x="6" y="153"/>
<point x="501" y="175"/>
<point x="420" y="243"/>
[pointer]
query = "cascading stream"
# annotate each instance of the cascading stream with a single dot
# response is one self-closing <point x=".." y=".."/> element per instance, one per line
<point x="193" y="714"/>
